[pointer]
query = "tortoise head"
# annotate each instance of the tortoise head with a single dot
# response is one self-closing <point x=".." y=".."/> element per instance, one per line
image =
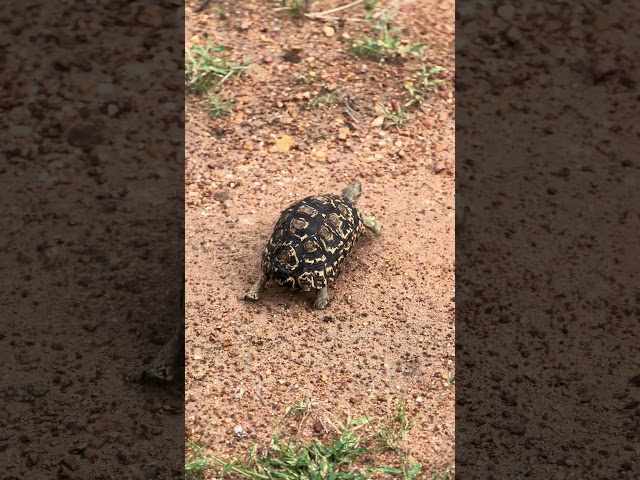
<point x="353" y="191"/>
<point x="283" y="278"/>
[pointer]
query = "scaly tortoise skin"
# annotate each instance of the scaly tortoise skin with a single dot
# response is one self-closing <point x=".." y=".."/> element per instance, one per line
<point x="310" y="241"/>
<point x="168" y="364"/>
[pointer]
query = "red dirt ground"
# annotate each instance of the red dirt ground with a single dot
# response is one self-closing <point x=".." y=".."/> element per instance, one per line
<point x="389" y="331"/>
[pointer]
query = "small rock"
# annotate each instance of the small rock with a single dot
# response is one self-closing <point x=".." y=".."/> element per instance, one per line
<point x="221" y="196"/>
<point x="105" y="89"/>
<point x="603" y="66"/>
<point x="90" y="453"/>
<point x="85" y="136"/>
<point x="112" y="109"/>
<point x="33" y="458"/>
<point x="440" y="167"/>
<point x="78" y="446"/>
<point x="101" y="155"/>
<point x="123" y="458"/>
<point x="506" y="12"/>
<point x="517" y="429"/>
<point x="239" y="431"/>
<point x="133" y="286"/>
<point x="513" y="34"/>
<point x="318" y="427"/>
<point x="602" y="21"/>
<point x="267" y="59"/>
<point x="151" y="16"/>
<point x="329" y="31"/>
<point x="20" y="130"/>
<point x="632" y="75"/>
<point x="71" y="463"/>
<point x="90" y="327"/>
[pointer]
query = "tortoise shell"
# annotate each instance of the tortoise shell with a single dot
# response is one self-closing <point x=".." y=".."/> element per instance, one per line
<point x="310" y="240"/>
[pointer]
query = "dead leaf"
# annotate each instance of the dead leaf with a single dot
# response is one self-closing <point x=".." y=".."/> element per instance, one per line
<point x="284" y="143"/>
<point x="377" y="122"/>
<point x="344" y="133"/>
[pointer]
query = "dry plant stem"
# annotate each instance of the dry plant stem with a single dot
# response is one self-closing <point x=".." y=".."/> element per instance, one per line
<point x="333" y="19"/>
<point x="257" y="392"/>
<point x="333" y="10"/>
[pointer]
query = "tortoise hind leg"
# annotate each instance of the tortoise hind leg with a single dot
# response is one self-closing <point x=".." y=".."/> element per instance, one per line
<point x="254" y="293"/>
<point x="371" y="223"/>
<point x="322" y="299"/>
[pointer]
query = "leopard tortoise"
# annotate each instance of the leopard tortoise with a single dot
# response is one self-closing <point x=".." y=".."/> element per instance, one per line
<point x="310" y="241"/>
<point x="168" y="364"/>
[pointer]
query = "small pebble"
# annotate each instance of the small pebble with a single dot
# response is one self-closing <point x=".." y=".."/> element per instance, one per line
<point x="239" y="431"/>
<point x="104" y="89"/>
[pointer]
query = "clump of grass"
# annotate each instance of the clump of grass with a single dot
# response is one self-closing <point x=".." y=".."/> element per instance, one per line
<point x="394" y="118"/>
<point x="324" y="99"/>
<point x="197" y="462"/>
<point x="336" y="460"/>
<point x="218" y="105"/>
<point x="303" y="407"/>
<point x="349" y="455"/>
<point x="449" y="379"/>
<point x="388" y="45"/>
<point x="426" y="81"/>
<point x="295" y="8"/>
<point x="447" y="474"/>
<point x="370" y="4"/>
<point x="204" y="71"/>
<point x="306" y="78"/>
<point x="394" y="433"/>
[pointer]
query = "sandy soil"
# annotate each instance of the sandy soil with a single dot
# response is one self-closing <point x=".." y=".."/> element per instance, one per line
<point x="390" y="328"/>
<point x="547" y="296"/>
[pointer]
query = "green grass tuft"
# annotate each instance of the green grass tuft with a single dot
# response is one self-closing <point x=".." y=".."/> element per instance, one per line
<point x="295" y="8"/>
<point x="386" y="47"/>
<point x="393" y="118"/>
<point x="204" y="71"/>
<point x="426" y="80"/>
<point x="349" y="454"/>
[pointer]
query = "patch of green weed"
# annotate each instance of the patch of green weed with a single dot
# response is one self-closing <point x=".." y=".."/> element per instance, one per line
<point x="204" y="71"/>
<point x="349" y="454"/>
<point x="426" y="80"/>
<point x="394" y="118"/>
<point x="218" y="105"/>
<point x="295" y="8"/>
<point x="324" y="99"/>
<point x="388" y="45"/>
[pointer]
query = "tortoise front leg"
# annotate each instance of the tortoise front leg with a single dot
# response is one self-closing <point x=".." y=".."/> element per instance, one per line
<point x="371" y="223"/>
<point x="322" y="299"/>
<point x="167" y="363"/>
<point x="254" y="293"/>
